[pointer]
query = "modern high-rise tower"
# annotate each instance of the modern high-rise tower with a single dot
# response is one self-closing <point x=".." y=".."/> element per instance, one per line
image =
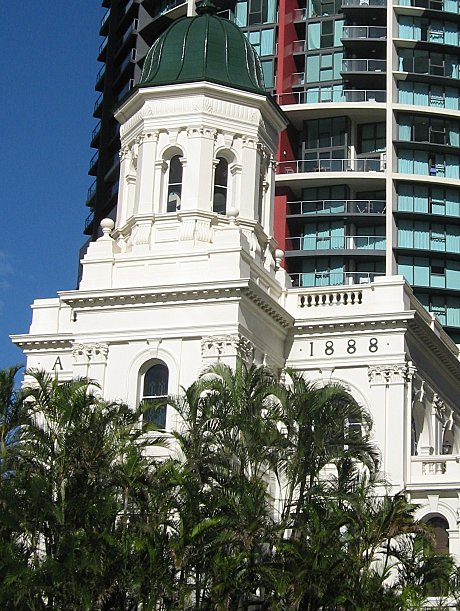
<point x="368" y="176"/>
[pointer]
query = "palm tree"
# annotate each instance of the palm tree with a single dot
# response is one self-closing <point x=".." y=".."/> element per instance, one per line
<point x="267" y="500"/>
<point x="82" y="477"/>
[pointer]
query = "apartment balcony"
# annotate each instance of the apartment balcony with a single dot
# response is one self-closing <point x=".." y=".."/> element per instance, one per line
<point x="97" y="112"/>
<point x="364" y="39"/>
<point x="444" y="6"/>
<point x="93" y="164"/>
<point x="166" y="6"/>
<point x="346" y="4"/>
<point x="100" y="79"/>
<point x="364" y="32"/>
<point x="130" y="31"/>
<point x="302" y="166"/>
<point x="435" y="470"/>
<point x="126" y="89"/>
<point x="104" y="29"/>
<point x="359" y="101"/>
<point x="95" y="135"/>
<point x="365" y="11"/>
<point x="91" y="192"/>
<point x="425" y="69"/>
<point x="331" y="243"/>
<point x="363" y="66"/>
<point x="300" y="14"/>
<point x="103" y="49"/>
<point x="335" y="206"/>
<point x="316" y="279"/>
<point x="89" y="221"/>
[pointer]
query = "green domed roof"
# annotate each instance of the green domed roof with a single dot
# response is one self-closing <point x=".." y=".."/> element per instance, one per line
<point x="203" y="48"/>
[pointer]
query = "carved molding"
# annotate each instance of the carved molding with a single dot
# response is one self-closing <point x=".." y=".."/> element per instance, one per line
<point x="201" y="131"/>
<point x="215" y="346"/>
<point x="85" y="353"/>
<point x="192" y="105"/>
<point x="390" y="374"/>
<point x="141" y="233"/>
<point x="148" y="137"/>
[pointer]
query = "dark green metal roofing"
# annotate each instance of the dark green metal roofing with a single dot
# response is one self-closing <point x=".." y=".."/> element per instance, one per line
<point x="203" y="48"/>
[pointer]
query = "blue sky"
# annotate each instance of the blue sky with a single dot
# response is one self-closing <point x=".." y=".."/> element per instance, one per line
<point x="48" y="66"/>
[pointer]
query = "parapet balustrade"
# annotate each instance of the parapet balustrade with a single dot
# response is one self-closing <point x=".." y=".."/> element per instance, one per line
<point x="442" y="468"/>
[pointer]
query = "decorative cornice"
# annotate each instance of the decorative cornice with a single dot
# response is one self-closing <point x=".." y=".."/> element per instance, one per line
<point x="146" y="296"/>
<point x="42" y="344"/>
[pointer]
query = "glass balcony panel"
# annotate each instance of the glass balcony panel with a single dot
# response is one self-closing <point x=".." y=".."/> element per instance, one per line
<point x="358" y="32"/>
<point x="331" y="165"/>
<point x="332" y="278"/>
<point x="363" y="65"/>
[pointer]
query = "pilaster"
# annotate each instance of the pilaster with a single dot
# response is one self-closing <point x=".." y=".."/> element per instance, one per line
<point x="144" y="201"/>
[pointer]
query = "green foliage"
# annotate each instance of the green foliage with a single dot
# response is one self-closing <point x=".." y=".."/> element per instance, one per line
<point x="267" y="496"/>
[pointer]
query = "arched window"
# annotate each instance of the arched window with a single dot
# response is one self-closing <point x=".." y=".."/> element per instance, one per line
<point x="219" y="203"/>
<point x="155" y="387"/>
<point x="174" y="184"/>
<point x="440" y="527"/>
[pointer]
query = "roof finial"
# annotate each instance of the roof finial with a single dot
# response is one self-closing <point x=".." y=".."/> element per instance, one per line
<point x="205" y="7"/>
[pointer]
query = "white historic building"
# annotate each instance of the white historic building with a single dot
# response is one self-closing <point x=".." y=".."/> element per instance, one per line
<point x="189" y="274"/>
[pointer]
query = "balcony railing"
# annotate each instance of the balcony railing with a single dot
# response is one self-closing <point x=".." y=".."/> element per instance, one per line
<point x="364" y="65"/>
<point x="94" y="159"/>
<point x="299" y="46"/>
<point x="98" y="102"/>
<point x="91" y="190"/>
<point x="103" y="45"/>
<point x="330" y="165"/>
<point x="168" y="5"/>
<point x="355" y="242"/>
<point x="89" y="219"/>
<point x="100" y="75"/>
<point x="131" y="29"/>
<point x="364" y="32"/>
<point x="446" y="6"/>
<point x="96" y="131"/>
<point x="332" y="278"/>
<point x="129" y="85"/>
<point x="364" y="3"/>
<point x="300" y="14"/>
<point x="338" y="206"/>
<point x="421" y="65"/>
<point x="105" y="17"/>
<point x="319" y="96"/>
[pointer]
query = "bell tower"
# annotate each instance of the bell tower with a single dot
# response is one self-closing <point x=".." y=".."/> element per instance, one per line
<point x="198" y="143"/>
<point x="188" y="273"/>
